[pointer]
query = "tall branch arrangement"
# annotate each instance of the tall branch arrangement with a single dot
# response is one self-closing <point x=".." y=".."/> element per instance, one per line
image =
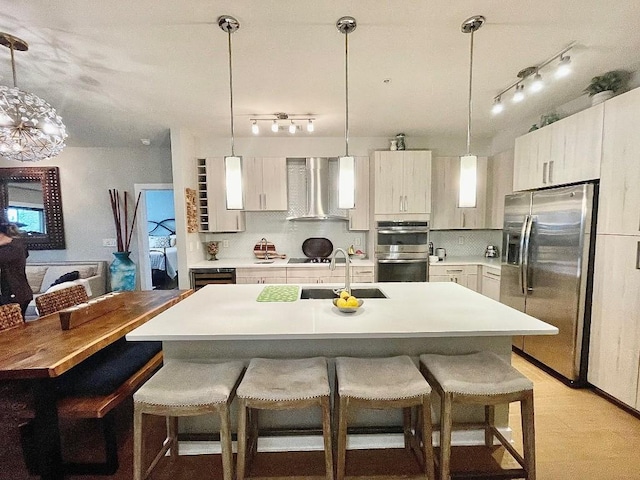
<point x="120" y="210"/>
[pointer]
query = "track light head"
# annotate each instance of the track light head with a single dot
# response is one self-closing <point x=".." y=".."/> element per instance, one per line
<point x="498" y="107"/>
<point x="564" y="67"/>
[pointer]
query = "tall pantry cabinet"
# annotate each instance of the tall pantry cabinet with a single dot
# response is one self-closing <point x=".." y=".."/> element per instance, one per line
<point x="614" y="356"/>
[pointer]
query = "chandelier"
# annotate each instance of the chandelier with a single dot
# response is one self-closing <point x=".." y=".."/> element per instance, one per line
<point x="30" y="128"/>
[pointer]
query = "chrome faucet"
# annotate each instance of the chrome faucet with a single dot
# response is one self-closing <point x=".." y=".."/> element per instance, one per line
<point x="347" y="268"/>
<point x="264" y="242"/>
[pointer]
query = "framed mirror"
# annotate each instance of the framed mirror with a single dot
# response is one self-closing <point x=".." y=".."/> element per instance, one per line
<point x="30" y="198"/>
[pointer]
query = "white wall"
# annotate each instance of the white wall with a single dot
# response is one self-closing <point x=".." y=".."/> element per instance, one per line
<point x="86" y="175"/>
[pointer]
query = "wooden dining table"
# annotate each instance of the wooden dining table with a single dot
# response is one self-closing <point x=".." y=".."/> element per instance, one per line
<point x="40" y="350"/>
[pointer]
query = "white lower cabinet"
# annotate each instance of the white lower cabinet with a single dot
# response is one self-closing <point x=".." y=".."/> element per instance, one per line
<point x="614" y="350"/>
<point x="261" y="275"/>
<point x="315" y="275"/>
<point x="465" y="275"/>
<point x="490" y="282"/>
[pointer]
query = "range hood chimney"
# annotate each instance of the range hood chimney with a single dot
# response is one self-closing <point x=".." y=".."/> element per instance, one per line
<point x="317" y="176"/>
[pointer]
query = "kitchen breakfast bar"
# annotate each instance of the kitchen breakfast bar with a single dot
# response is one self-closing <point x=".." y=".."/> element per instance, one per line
<point x="221" y="322"/>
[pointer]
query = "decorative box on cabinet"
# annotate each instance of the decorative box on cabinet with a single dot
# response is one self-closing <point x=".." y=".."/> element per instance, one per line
<point x="445" y="213"/>
<point x="402" y="183"/>
<point x="265" y="183"/>
<point x="218" y="218"/>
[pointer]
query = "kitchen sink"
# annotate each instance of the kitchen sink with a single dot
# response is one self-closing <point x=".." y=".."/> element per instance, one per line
<point x="328" y="293"/>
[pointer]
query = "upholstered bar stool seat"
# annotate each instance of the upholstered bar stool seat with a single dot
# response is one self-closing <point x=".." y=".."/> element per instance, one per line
<point x="385" y="383"/>
<point x="281" y="384"/>
<point x="181" y="389"/>
<point x="481" y="378"/>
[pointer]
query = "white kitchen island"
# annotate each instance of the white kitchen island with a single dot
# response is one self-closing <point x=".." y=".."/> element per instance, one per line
<point x="222" y="322"/>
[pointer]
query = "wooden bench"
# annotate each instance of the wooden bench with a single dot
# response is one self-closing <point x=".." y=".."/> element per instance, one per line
<point x="98" y="406"/>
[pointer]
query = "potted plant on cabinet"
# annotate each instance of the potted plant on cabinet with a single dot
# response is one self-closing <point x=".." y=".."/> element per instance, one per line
<point x="607" y="85"/>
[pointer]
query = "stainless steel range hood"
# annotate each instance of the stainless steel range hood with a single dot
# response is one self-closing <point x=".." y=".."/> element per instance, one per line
<point x="317" y="177"/>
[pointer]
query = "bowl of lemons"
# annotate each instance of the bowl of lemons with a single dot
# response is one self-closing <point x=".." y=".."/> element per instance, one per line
<point x="347" y="303"/>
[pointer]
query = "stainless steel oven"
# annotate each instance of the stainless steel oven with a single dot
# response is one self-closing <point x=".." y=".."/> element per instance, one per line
<point x="402" y="251"/>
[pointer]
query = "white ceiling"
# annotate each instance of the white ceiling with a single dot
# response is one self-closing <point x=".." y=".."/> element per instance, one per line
<point x="118" y="71"/>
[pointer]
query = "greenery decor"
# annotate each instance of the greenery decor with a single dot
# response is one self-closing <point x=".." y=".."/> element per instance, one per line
<point x="121" y="219"/>
<point x="615" y="81"/>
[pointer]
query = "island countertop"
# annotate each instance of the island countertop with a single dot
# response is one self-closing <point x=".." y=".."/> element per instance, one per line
<point x="420" y="309"/>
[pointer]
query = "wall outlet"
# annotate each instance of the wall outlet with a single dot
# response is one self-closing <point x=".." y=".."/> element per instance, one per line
<point x="460" y="240"/>
<point x="225" y="243"/>
<point x="357" y="241"/>
<point x="108" y="242"/>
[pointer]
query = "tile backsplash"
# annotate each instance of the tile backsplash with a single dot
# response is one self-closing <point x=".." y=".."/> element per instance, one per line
<point x="474" y="242"/>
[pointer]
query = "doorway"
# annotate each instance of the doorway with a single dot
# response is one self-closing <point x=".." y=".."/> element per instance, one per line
<point x="156" y="232"/>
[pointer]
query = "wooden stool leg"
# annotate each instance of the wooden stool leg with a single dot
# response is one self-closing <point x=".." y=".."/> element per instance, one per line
<point x="528" y="434"/>
<point x="172" y="435"/>
<point x="342" y="437"/>
<point x="489" y="422"/>
<point x="445" y="436"/>
<point x="406" y="427"/>
<point x="225" y="443"/>
<point x="427" y="437"/>
<point x="137" y="443"/>
<point x="242" y="439"/>
<point x="326" y="434"/>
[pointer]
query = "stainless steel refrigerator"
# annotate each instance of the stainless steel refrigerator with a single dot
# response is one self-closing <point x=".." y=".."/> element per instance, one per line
<point x="547" y="256"/>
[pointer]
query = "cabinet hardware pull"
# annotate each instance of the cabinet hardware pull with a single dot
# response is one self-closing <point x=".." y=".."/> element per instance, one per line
<point x="544" y="172"/>
<point x="551" y="171"/>
<point x="406" y="204"/>
<point x="400" y="208"/>
<point x="638" y="257"/>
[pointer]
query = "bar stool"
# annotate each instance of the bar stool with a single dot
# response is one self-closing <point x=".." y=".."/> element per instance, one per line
<point x="184" y="389"/>
<point x="281" y="384"/>
<point x="481" y="378"/>
<point x="385" y="383"/>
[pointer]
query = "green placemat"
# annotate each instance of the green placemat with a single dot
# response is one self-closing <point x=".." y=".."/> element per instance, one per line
<point x="279" y="293"/>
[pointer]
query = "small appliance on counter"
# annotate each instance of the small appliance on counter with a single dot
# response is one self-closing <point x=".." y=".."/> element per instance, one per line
<point x="441" y="253"/>
<point x="492" y="252"/>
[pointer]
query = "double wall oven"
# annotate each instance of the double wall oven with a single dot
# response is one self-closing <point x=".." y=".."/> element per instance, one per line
<point x="402" y="251"/>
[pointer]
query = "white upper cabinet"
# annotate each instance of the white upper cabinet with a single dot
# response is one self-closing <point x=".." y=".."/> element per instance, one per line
<point x="566" y="151"/>
<point x="265" y="183"/>
<point x="359" y="215"/>
<point x="219" y="218"/>
<point x="619" y="200"/>
<point x="445" y="213"/>
<point x="402" y="182"/>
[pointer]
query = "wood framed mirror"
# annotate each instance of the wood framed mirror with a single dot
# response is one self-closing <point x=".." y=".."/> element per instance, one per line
<point x="30" y="198"/>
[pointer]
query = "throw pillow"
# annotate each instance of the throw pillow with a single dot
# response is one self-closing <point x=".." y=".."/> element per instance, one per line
<point x="35" y="275"/>
<point x="67" y="277"/>
<point x="159" y="242"/>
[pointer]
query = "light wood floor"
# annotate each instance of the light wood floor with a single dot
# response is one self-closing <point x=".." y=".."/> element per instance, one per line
<point x="579" y="435"/>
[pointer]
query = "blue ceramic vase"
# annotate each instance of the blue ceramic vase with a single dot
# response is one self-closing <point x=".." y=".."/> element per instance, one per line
<point x="122" y="272"/>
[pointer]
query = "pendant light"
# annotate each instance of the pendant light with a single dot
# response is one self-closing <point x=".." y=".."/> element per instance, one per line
<point x="469" y="163"/>
<point x="30" y="128"/>
<point x="346" y="164"/>
<point x="232" y="164"/>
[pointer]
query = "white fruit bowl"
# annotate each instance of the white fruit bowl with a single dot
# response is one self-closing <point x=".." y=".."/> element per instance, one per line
<point x="348" y="309"/>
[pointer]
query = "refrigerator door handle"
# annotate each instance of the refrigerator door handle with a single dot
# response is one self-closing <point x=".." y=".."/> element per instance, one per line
<point x="523" y="233"/>
<point x="527" y="287"/>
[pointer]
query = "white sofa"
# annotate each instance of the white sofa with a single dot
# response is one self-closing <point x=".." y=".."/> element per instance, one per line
<point x="93" y="276"/>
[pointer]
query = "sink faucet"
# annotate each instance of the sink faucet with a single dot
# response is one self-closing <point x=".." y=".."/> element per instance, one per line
<point x="264" y="242"/>
<point x="347" y="268"/>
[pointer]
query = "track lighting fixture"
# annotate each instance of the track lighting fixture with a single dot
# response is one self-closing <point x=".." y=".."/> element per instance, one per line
<point x="531" y="80"/>
<point x="279" y="122"/>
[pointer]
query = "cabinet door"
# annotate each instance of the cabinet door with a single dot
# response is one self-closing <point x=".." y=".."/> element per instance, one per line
<point x="614" y="353"/>
<point x="252" y="183"/>
<point x="445" y="213"/>
<point x="525" y="162"/>
<point x="274" y="183"/>
<point x="416" y="183"/>
<point x="388" y="182"/>
<point x="583" y="145"/>
<point x="491" y="283"/>
<point x="359" y="216"/>
<point x="220" y="219"/>
<point x="619" y="200"/>
<point x="499" y="184"/>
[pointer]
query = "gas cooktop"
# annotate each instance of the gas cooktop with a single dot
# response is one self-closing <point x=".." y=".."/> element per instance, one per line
<point x="315" y="260"/>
